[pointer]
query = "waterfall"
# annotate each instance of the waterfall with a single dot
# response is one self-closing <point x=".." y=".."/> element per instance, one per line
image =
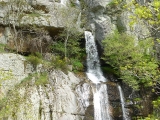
<point x="125" y="115"/>
<point x="94" y="73"/>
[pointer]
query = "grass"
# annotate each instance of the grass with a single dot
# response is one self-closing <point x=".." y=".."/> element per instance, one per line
<point x="34" y="14"/>
<point x="40" y="79"/>
<point x="34" y="60"/>
<point x="2" y="46"/>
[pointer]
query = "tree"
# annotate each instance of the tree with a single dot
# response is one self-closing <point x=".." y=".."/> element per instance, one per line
<point x="149" y="13"/>
<point x="134" y="63"/>
<point x="71" y="30"/>
<point x="14" y="12"/>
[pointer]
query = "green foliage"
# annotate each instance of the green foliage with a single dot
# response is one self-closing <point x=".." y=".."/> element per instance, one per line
<point x="58" y="63"/>
<point x="72" y="4"/>
<point x="9" y="105"/>
<point x="2" y="46"/>
<point x="34" y="59"/>
<point x="37" y="54"/>
<point x="68" y="43"/>
<point x="77" y="65"/>
<point x="133" y="63"/>
<point x="108" y="70"/>
<point x="27" y="80"/>
<point x="3" y="3"/>
<point x="74" y="49"/>
<point x="42" y="79"/>
<point x="58" y="48"/>
<point x="156" y="109"/>
<point x="149" y="13"/>
<point x="74" y="53"/>
<point x="119" y="48"/>
<point x="5" y="75"/>
<point x="115" y="3"/>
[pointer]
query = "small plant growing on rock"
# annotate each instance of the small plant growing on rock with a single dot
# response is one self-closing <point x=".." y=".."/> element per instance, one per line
<point x="35" y="59"/>
<point x="42" y="79"/>
<point x="59" y="63"/>
<point x="2" y="48"/>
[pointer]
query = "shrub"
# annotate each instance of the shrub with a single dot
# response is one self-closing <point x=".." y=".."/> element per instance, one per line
<point x="5" y="75"/>
<point x="34" y="60"/>
<point x="135" y="65"/>
<point x="27" y="79"/>
<point x="2" y="46"/>
<point x="77" y="65"/>
<point x="42" y="79"/>
<point x="58" y="63"/>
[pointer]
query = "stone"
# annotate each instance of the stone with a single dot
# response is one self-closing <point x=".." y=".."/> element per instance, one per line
<point x="16" y="64"/>
<point x="98" y="21"/>
<point x="56" y="100"/>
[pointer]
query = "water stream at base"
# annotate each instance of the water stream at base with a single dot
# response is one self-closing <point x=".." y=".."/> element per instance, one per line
<point x="124" y="111"/>
<point x="94" y="73"/>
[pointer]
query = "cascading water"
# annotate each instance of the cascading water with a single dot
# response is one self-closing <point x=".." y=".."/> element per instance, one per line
<point x="94" y="73"/>
<point x="125" y="115"/>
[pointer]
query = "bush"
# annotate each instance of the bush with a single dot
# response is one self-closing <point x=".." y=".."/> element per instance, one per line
<point x="77" y="65"/>
<point x="2" y="46"/>
<point x="42" y="79"/>
<point x="134" y="63"/>
<point x="58" y="63"/>
<point x="34" y="60"/>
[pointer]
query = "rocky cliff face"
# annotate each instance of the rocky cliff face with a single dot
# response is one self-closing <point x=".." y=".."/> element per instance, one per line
<point x="63" y="96"/>
<point x="36" y="12"/>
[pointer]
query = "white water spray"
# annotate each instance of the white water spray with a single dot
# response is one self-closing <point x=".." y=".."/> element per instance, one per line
<point x="94" y="73"/>
<point x="125" y="113"/>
